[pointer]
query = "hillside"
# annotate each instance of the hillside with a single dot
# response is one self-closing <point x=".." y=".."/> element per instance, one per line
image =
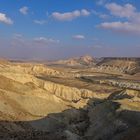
<point x="125" y="65"/>
<point x="54" y="103"/>
<point x="77" y="61"/>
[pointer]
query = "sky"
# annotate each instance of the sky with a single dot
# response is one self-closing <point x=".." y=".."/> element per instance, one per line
<point x="58" y="29"/>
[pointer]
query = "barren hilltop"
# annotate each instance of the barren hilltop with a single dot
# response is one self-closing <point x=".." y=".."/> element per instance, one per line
<point x="80" y="98"/>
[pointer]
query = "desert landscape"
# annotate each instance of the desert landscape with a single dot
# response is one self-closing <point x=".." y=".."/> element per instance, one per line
<point x="82" y="98"/>
<point x="70" y="70"/>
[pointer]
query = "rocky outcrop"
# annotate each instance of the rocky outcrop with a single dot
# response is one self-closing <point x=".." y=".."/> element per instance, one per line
<point x="71" y="94"/>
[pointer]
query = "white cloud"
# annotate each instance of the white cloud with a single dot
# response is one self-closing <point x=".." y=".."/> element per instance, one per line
<point x="127" y="10"/>
<point x="80" y="37"/>
<point x="104" y="16"/>
<point x="68" y="16"/>
<point x="132" y="19"/>
<point x="41" y="22"/>
<point x="17" y="36"/>
<point x="24" y="10"/>
<point x="5" y="19"/>
<point x="45" y="40"/>
<point x="85" y="12"/>
<point x="123" y="27"/>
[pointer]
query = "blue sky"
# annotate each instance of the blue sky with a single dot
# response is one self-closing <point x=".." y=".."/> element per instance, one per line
<point x="55" y="29"/>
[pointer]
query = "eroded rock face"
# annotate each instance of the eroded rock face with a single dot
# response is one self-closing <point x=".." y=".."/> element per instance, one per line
<point x="32" y="107"/>
<point x="119" y="65"/>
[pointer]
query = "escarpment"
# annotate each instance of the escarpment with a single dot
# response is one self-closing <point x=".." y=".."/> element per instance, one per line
<point x="55" y="103"/>
<point x="119" y="65"/>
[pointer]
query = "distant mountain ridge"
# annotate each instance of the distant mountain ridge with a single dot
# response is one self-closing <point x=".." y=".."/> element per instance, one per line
<point x="129" y="65"/>
<point x="76" y="61"/>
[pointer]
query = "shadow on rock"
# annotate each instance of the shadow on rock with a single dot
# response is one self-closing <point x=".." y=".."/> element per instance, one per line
<point x="98" y="120"/>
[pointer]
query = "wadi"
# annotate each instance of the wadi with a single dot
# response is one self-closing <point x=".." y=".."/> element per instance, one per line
<point x="81" y="98"/>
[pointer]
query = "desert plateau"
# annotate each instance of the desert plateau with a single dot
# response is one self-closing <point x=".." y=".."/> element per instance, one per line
<point x="75" y="99"/>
